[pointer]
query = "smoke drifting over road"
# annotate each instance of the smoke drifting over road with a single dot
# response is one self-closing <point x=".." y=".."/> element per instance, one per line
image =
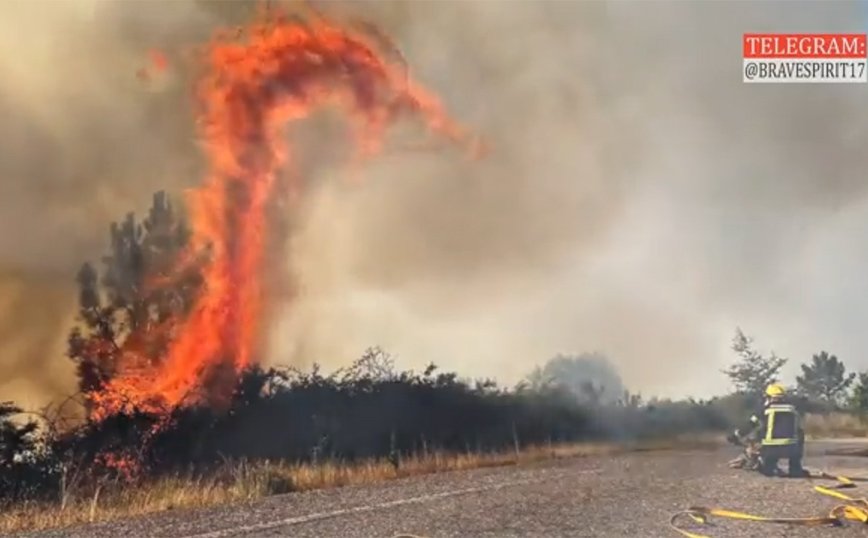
<point x="638" y="199"/>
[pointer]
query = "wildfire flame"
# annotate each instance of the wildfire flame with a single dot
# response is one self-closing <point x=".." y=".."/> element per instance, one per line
<point x="256" y="80"/>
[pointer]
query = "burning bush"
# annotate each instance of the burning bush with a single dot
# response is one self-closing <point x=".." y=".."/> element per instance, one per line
<point x="171" y="319"/>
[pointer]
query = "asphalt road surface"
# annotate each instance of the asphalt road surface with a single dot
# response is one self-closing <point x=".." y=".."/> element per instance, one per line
<point x="629" y="496"/>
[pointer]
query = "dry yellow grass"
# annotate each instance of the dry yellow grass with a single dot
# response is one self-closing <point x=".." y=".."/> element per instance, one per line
<point x="240" y="482"/>
<point x="835" y="425"/>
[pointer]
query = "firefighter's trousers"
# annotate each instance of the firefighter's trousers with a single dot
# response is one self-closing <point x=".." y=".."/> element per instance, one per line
<point x="770" y="455"/>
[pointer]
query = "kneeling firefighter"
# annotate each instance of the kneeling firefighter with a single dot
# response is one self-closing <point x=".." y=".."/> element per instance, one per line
<point x="779" y="429"/>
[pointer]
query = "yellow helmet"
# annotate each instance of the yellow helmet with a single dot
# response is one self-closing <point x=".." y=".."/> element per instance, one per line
<point x="775" y="390"/>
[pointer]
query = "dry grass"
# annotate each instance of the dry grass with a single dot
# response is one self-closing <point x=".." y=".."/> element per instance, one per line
<point x="240" y="482"/>
<point x="835" y="425"/>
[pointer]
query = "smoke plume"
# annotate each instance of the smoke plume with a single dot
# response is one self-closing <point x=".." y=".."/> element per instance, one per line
<point x="638" y="199"/>
<point x="84" y="143"/>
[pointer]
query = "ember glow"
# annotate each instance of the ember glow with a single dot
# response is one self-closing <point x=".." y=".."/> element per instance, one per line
<point x="254" y="82"/>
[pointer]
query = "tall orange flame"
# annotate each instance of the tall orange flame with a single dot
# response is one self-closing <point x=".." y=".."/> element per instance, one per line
<point x="256" y="81"/>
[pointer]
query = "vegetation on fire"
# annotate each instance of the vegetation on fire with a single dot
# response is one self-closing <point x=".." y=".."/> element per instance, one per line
<point x="367" y="421"/>
<point x="225" y="429"/>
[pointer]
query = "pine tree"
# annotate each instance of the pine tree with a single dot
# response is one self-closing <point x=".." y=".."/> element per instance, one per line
<point x="825" y="378"/>
<point x="754" y="371"/>
<point x="141" y="290"/>
<point x="858" y="399"/>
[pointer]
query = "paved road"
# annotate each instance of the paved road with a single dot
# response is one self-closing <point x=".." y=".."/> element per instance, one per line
<point x="630" y="496"/>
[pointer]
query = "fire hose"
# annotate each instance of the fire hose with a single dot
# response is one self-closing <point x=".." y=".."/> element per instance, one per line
<point x="852" y="508"/>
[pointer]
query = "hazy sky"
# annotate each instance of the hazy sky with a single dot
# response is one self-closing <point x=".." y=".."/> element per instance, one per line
<point x="639" y="200"/>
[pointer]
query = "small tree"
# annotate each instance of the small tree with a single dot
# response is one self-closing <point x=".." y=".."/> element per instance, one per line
<point x="858" y="399"/>
<point x="15" y="439"/>
<point x="141" y="287"/>
<point x="590" y="376"/>
<point x="27" y="469"/>
<point x="754" y="371"/>
<point x="825" y="378"/>
<point x="536" y="381"/>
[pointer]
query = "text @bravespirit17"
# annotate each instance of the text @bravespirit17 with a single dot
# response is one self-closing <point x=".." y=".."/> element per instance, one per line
<point x="805" y="70"/>
<point x="805" y="58"/>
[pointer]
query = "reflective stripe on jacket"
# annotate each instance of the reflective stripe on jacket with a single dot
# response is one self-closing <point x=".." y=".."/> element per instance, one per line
<point x="781" y="425"/>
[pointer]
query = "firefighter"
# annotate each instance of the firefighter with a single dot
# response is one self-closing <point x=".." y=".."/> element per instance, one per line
<point x="778" y="429"/>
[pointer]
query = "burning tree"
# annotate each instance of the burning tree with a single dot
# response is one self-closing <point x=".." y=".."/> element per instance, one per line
<point x="125" y="298"/>
<point x="181" y="313"/>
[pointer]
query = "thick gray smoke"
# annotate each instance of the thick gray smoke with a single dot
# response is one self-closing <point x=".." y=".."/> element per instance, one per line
<point x="639" y="199"/>
<point x="84" y="142"/>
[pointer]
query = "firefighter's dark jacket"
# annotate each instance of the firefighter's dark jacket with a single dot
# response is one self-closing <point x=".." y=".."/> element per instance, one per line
<point x="785" y="417"/>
